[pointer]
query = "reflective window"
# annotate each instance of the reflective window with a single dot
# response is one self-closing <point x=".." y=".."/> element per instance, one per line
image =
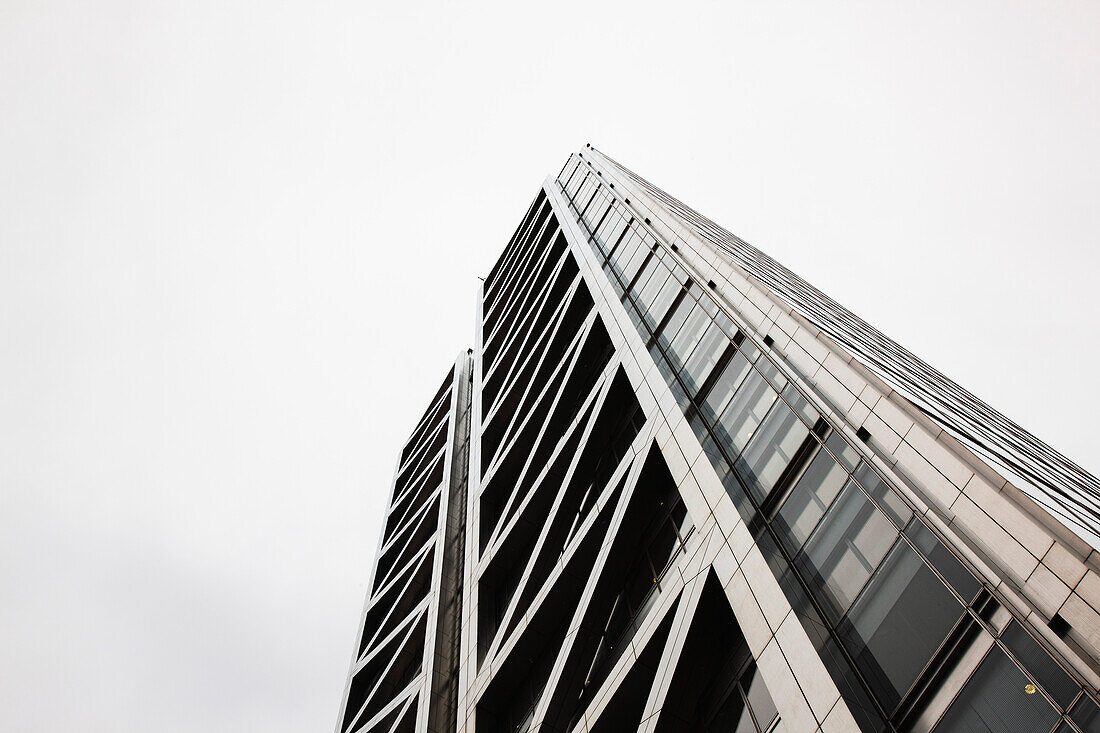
<point x="698" y="366"/>
<point x="628" y="258"/>
<point x="800" y="405"/>
<point x="1086" y="714"/>
<point x="655" y="301"/>
<point x="844" y="453"/>
<point x="650" y="270"/>
<point x="997" y="699"/>
<point x="747" y="709"/>
<point x="760" y="702"/>
<point x="809" y="499"/>
<point x="688" y="336"/>
<point x="771" y="449"/>
<point x="772" y="374"/>
<point x="687" y="309"/>
<point x="745" y="412"/>
<point x="883" y="495"/>
<point x="846" y="547"/>
<point x="899" y="622"/>
<point x="725" y="386"/>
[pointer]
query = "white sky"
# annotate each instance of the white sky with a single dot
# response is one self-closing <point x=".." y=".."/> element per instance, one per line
<point x="239" y="244"/>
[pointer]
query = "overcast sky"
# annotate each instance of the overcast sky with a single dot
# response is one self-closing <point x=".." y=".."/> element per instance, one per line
<point x="239" y="244"/>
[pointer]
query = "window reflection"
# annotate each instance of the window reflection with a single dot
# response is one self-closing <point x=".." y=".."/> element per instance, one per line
<point x="846" y="547"/>
<point x="698" y="365"/>
<point x="745" y="411"/>
<point x="809" y="499"/>
<point x="725" y="386"/>
<point x="771" y="450"/>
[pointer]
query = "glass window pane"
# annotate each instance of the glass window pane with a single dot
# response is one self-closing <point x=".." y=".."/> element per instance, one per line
<point x="771" y="449"/>
<point x="688" y="337"/>
<point x="732" y="715"/>
<point x="958" y="577"/>
<point x="628" y="258"/>
<point x="760" y="701"/>
<point x="846" y="454"/>
<point x="652" y="269"/>
<point x="800" y="405"/>
<point x="698" y="366"/>
<point x="809" y="499"/>
<point x="725" y="386"/>
<point x="661" y="301"/>
<point x="899" y="622"/>
<point x="995" y="700"/>
<point x="595" y="212"/>
<point x="771" y="373"/>
<point x="685" y="310"/>
<point x="1040" y="665"/>
<point x="744" y="412"/>
<point x="1086" y="714"/>
<point x="881" y="492"/>
<point x="846" y="547"/>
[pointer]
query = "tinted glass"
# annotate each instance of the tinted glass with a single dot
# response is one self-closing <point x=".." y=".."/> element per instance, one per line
<point x="688" y="337"/>
<point x="1086" y="714"/>
<point x="685" y="310"/>
<point x="661" y="301"/>
<point x="698" y="366"/>
<point x="942" y="560"/>
<point x="1042" y="667"/>
<point x="899" y="622"/>
<point x="628" y="258"/>
<point x="800" y="405"/>
<point x="772" y="374"/>
<point x="996" y="700"/>
<point x="845" y="453"/>
<point x="760" y="702"/>
<point x="883" y="495"/>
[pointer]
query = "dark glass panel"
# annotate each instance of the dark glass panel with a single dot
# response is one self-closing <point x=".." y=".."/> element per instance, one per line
<point x="657" y="301"/>
<point x="883" y="495"/>
<point x="958" y="577"/>
<point x="760" y="701"/>
<point x="1086" y="714"/>
<point x="846" y="454"/>
<point x="685" y="310"/>
<point x="800" y="405"/>
<point x="688" y="337"/>
<point x="851" y="689"/>
<point x="697" y="367"/>
<point x="898" y="623"/>
<point x="772" y="374"/>
<point x="1058" y="684"/>
<point x="652" y="271"/>
<point x="997" y="700"/>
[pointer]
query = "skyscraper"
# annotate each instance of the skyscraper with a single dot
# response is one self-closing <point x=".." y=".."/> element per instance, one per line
<point x="674" y="487"/>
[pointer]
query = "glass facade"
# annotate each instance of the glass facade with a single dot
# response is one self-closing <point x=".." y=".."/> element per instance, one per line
<point x="892" y="607"/>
